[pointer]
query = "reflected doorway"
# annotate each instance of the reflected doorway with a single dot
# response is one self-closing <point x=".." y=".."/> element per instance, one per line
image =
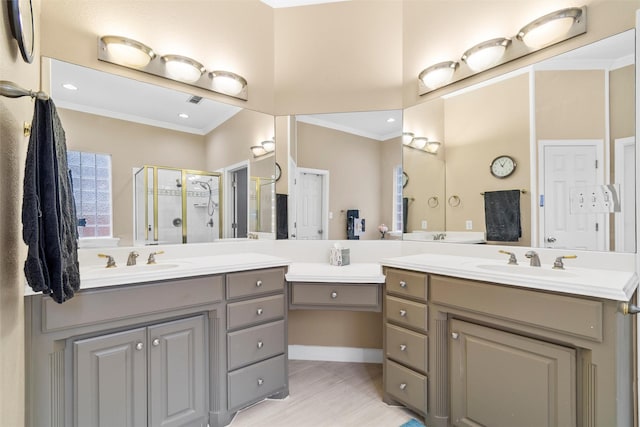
<point x="312" y="205"/>
<point x="566" y="167"/>
<point x="238" y="195"/>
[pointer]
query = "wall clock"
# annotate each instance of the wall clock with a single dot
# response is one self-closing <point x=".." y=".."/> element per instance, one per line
<point x="502" y="166"/>
<point x="21" y="19"/>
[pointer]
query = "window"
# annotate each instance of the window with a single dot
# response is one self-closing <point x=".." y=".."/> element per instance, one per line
<point x="398" y="181"/>
<point x="91" y="177"/>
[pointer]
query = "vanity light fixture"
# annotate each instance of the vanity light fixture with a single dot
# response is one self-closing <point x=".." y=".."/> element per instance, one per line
<point x="432" y="147"/>
<point x="438" y="75"/>
<point x="540" y="33"/>
<point x="407" y="137"/>
<point x="486" y="54"/>
<point x="129" y="52"/>
<point x="138" y="56"/>
<point x="227" y="82"/>
<point x="183" y="115"/>
<point x="421" y="143"/>
<point x="183" y="68"/>
<point x="549" y="28"/>
<point x="265" y="147"/>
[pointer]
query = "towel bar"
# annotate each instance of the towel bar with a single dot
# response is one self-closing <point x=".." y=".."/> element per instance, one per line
<point x="521" y="191"/>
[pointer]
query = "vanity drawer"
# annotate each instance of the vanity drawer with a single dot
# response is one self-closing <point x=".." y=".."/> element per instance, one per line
<point x="406" y="313"/>
<point x="254" y="311"/>
<point x="254" y="282"/>
<point x="407" y="283"/>
<point x="328" y="295"/>
<point x="257" y="343"/>
<point x="406" y="385"/>
<point x="255" y="382"/>
<point x="407" y="347"/>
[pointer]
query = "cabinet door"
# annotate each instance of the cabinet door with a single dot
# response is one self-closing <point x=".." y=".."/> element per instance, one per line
<point x="502" y="379"/>
<point x="177" y="373"/>
<point x="110" y="380"/>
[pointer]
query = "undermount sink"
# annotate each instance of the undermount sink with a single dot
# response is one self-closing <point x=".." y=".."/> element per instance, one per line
<point x="525" y="270"/>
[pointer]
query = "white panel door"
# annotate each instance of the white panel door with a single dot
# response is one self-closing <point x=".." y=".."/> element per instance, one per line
<point x="567" y="166"/>
<point x="309" y="220"/>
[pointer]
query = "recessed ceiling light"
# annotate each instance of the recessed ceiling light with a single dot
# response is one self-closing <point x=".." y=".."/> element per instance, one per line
<point x="69" y="86"/>
<point x="183" y="115"/>
<point x="391" y="120"/>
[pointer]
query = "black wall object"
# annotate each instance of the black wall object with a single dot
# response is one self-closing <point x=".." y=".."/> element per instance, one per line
<point x="282" y="217"/>
<point x="352" y="215"/>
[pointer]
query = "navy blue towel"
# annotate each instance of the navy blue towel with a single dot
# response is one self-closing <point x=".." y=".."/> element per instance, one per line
<point x="49" y="223"/>
<point x="502" y="215"/>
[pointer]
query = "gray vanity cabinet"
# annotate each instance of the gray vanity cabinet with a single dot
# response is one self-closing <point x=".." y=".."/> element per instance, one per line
<point x="256" y="337"/>
<point x="111" y="384"/>
<point x="503" y="379"/>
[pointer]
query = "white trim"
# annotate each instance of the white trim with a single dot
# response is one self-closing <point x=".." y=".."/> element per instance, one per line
<point x="295" y="3"/>
<point x="335" y="354"/>
<point x="226" y="194"/>
<point x="620" y="144"/>
<point x="533" y="160"/>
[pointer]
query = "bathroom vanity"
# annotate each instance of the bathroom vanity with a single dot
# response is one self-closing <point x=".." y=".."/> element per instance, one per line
<point x="185" y="351"/>
<point x="469" y="352"/>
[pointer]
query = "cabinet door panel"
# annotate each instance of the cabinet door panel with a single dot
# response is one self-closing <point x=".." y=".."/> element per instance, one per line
<point x="177" y="373"/>
<point x="110" y="380"/>
<point x="502" y="379"/>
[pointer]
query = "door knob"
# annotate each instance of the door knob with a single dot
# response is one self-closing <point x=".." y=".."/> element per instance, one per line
<point x="403" y="313"/>
<point x="155" y="342"/>
<point x="403" y="347"/>
<point x="454" y="335"/>
<point x="403" y="284"/>
<point x="139" y="346"/>
<point x="258" y="283"/>
<point x="259" y="312"/>
<point x="334" y="295"/>
<point x="260" y="344"/>
<point x="551" y="239"/>
<point x="403" y="386"/>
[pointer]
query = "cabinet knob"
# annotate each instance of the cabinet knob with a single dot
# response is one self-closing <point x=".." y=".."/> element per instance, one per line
<point x="334" y="295"/>
<point x="258" y="283"/>
<point x="403" y="386"/>
<point x="403" y="313"/>
<point x="403" y="284"/>
<point x="139" y="346"/>
<point x="454" y="335"/>
<point x="259" y="312"/>
<point x="155" y="342"/>
<point x="260" y="381"/>
<point x="260" y="344"/>
<point x="403" y="347"/>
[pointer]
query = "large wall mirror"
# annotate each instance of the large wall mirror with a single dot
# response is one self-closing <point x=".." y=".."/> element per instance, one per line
<point x="200" y="150"/>
<point x="341" y="170"/>
<point x="568" y="123"/>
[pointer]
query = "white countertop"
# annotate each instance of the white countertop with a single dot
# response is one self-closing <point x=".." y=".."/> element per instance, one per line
<point x="97" y="276"/>
<point x="320" y="272"/>
<point x="607" y="284"/>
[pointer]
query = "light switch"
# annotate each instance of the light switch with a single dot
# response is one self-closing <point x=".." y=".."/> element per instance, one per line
<point x="469" y="225"/>
<point x="424" y="224"/>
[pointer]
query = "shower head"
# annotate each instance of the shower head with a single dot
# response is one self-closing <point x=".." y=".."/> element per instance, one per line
<point x="204" y="185"/>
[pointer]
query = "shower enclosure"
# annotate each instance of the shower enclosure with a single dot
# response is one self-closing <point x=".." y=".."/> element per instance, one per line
<point x="176" y="205"/>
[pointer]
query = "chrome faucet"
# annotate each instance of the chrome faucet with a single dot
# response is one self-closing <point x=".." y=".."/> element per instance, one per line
<point x="439" y="236"/>
<point x="131" y="260"/>
<point x="512" y="257"/>
<point x="152" y="257"/>
<point x="558" y="264"/>
<point x="533" y="256"/>
<point x="111" y="263"/>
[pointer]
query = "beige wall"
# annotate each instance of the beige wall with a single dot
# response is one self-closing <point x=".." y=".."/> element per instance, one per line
<point x="131" y="145"/>
<point x="426" y="171"/>
<point x="480" y="126"/>
<point x="335" y="328"/>
<point x="13" y="148"/>
<point x="355" y="179"/>
<point x="622" y="102"/>
<point x="345" y="56"/>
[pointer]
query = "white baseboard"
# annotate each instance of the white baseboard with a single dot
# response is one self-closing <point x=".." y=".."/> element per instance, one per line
<point x="335" y="354"/>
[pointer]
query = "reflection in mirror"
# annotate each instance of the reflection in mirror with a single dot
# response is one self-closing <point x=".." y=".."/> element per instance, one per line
<point x="569" y="124"/>
<point x="348" y="176"/>
<point x="138" y="124"/>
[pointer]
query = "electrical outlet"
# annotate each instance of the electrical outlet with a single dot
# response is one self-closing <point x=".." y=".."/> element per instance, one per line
<point x="469" y="225"/>
<point x="424" y="224"/>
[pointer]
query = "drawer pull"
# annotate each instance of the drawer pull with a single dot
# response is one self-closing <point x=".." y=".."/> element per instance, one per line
<point x="403" y="284"/>
<point x="259" y="312"/>
<point x="260" y="344"/>
<point x="403" y="313"/>
<point x="403" y="386"/>
<point x="139" y="346"/>
<point x="334" y="295"/>
<point x="454" y="335"/>
<point x="155" y="342"/>
<point x="258" y="283"/>
<point x="403" y="347"/>
<point x="260" y="381"/>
